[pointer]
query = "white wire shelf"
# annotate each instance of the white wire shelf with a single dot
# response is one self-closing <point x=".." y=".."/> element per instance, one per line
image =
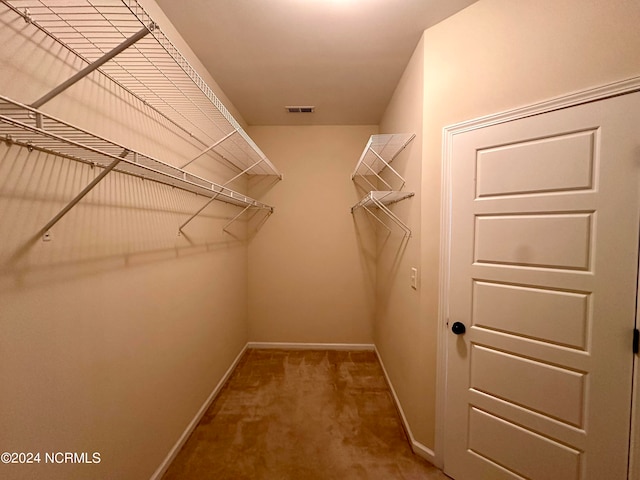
<point x="18" y="125"/>
<point x="377" y="155"/>
<point x="151" y="69"/>
<point x="381" y="199"/>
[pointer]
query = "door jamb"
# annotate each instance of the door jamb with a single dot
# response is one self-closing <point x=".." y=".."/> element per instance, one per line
<point x="566" y="101"/>
<point x="634" y="440"/>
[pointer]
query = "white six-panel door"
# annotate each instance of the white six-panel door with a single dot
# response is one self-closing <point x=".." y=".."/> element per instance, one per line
<point x="544" y="255"/>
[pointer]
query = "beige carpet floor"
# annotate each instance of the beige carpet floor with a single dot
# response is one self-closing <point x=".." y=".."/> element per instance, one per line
<point x="302" y="415"/>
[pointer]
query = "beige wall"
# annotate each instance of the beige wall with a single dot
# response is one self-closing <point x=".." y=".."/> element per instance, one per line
<point x="402" y="341"/>
<point x="311" y="270"/>
<point x="493" y="56"/>
<point x="116" y="331"/>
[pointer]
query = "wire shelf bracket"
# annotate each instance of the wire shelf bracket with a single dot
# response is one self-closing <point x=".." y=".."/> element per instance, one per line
<point x="209" y="148"/>
<point x="380" y="200"/>
<point x="83" y="193"/>
<point x="92" y="66"/>
<point x="378" y="154"/>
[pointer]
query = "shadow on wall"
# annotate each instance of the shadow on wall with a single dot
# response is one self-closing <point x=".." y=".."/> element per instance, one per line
<point x="125" y="221"/>
<point x="366" y="237"/>
<point x="374" y="240"/>
<point x="259" y="185"/>
<point x="379" y="238"/>
<point x="396" y="243"/>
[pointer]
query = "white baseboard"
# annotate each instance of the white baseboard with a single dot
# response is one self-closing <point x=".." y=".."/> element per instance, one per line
<point x="424" y="452"/>
<point x="312" y="346"/>
<point x="417" y="447"/>
<point x="164" y="466"/>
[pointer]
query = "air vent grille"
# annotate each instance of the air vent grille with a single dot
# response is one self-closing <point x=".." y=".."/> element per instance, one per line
<point x="300" y="109"/>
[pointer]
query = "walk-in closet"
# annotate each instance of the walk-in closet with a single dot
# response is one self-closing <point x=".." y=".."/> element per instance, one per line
<point x="284" y="239"/>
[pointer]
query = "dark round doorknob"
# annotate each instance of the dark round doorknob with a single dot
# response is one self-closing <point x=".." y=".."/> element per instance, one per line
<point x="458" y="328"/>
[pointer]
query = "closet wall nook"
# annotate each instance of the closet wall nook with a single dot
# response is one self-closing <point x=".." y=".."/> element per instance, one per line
<point x="120" y="40"/>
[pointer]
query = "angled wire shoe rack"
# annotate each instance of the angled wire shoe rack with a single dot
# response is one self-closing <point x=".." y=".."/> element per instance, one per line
<point x="118" y="39"/>
<point x="377" y="156"/>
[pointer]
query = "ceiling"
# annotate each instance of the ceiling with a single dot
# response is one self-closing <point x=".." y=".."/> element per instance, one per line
<point x="344" y="57"/>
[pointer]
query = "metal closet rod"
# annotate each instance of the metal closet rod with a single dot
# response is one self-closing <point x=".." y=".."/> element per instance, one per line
<point x="381" y="206"/>
<point x="372" y="200"/>
<point x="161" y="175"/>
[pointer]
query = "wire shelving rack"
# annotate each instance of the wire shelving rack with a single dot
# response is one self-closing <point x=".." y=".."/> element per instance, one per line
<point x="377" y="156"/>
<point x="120" y="40"/>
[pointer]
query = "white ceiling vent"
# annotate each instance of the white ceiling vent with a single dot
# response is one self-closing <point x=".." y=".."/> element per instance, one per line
<point x="300" y="109"/>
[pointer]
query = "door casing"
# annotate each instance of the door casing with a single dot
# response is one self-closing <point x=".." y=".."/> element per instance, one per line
<point x="600" y="93"/>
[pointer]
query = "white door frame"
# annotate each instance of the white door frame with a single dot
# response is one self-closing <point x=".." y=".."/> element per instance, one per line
<point x="571" y="100"/>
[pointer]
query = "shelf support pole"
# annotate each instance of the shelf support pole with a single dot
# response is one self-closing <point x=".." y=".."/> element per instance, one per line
<point x="392" y="216"/>
<point x="92" y="66"/>
<point x="197" y="213"/>
<point x="243" y="172"/>
<point x="217" y="194"/>
<point x="376" y="217"/>
<point x="208" y="148"/>
<point x="224" y="229"/>
<point x="82" y="194"/>
<point x="389" y="167"/>
<point x="375" y="187"/>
